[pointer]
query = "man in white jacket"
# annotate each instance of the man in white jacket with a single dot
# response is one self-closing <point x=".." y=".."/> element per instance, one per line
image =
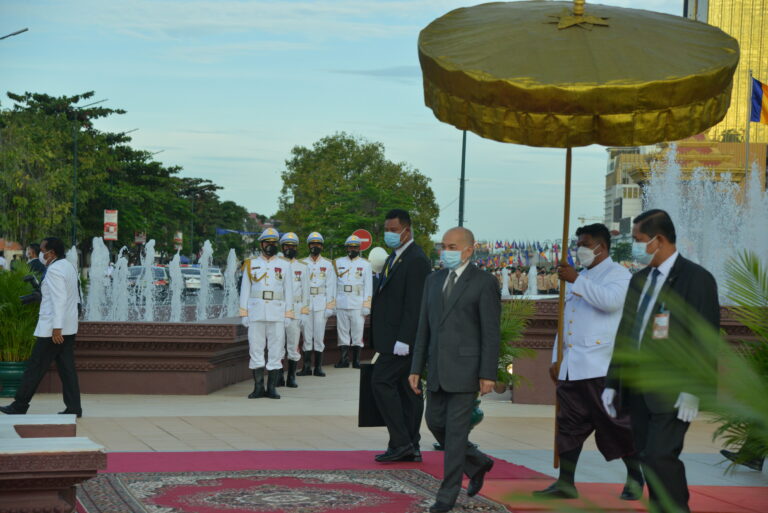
<point x="55" y="332"/>
<point x="593" y="306"/>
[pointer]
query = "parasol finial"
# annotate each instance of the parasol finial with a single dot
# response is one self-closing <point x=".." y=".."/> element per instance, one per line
<point x="578" y="7"/>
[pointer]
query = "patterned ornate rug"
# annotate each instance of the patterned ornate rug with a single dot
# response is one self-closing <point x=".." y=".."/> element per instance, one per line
<point x="270" y="491"/>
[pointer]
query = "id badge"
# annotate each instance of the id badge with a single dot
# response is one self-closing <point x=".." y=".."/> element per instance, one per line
<point x="661" y="326"/>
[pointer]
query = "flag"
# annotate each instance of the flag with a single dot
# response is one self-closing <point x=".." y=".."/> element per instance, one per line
<point x="570" y="260"/>
<point x="759" y="102"/>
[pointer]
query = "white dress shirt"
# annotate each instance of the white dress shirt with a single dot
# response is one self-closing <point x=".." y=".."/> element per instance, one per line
<point x="593" y="309"/>
<point x="664" y="269"/>
<point x="58" y="308"/>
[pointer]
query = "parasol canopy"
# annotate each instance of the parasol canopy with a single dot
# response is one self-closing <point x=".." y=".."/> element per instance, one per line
<point x="540" y="74"/>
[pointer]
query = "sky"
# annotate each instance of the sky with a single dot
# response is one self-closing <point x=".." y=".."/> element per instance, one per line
<point x="226" y="88"/>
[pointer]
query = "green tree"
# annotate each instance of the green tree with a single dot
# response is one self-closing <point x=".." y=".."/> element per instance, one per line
<point x="344" y="183"/>
<point x="621" y="252"/>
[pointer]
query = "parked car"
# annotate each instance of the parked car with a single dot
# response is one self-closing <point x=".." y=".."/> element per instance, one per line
<point x="191" y="279"/>
<point x="160" y="280"/>
<point x="215" y="278"/>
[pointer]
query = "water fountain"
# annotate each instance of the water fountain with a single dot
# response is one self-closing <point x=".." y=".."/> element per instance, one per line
<point x="205" y="289"/>
<point x="505" y="283"/>
<point x="231" y="294"/>
<point x="714" y="220"/>
<point x="134" y="339"/>
<point x="532" y="288"/>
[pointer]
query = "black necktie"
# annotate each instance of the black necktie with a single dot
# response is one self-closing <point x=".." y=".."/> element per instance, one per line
<point x="644" y="304"/>
<point x="449" y="286"/>
<point x="387" y="268"/>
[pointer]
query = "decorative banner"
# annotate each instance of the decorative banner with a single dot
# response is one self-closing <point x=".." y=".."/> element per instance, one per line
<point x="178" y="241"/>
<point x="110" y="225"/>
<point x="365" y="238"/>
<point x="139" y="237"/>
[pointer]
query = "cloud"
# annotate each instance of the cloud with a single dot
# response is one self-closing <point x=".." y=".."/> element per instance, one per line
<point x="205" y="54"/>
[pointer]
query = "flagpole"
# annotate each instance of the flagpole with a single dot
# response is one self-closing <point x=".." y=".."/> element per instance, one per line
<point x="749" y="116"/>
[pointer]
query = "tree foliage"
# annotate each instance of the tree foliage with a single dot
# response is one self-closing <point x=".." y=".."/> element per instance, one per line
<point x="39" y="137"/>
<point x="343" y="183"/>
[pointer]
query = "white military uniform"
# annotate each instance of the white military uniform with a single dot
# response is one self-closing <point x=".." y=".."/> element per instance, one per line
<point x="322" y="294"/>
<point x="354" y="288"/>
<point x="593" y="307"/>
<point x="266" y="297"/>
<point x="299" y="280"/>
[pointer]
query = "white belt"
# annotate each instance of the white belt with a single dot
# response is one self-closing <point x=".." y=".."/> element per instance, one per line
<point x="357" y="289"/>
<point x="316" y="291"/>
<point x="268" y="295"/>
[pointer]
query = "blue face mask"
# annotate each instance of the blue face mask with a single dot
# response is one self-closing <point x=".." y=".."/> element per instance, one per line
<point x="392" y="239"/>
<point x="640" y="252"/>
<point x="450" y="259"/>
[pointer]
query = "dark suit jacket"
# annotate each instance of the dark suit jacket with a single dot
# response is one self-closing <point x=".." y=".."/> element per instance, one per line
<point x="395" y="309"/>
<point x="697" y="289"/>
<point x="458" y="342"/>
<point x="37" y="267"/>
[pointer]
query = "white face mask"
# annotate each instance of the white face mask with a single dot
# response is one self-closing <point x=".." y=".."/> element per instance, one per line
<point x="586" y="255"/>
<point x="41" y="257"/>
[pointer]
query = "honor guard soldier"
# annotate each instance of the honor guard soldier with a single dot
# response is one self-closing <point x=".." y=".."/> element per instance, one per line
<point x="321" y="304"/>
<point x="299" y="279"/>
<point x="266" y="301"/>
<point x="354" y="288"/>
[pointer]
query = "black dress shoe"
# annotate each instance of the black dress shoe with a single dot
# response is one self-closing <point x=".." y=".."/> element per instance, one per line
<point x="440" y="507"/>
<point x="68" y="412"/>
<point x="396" y="454"/>
<point x="476" y="482"/>
<point x="633" y="490"/>
<point x="12" y="410"/>
<point x="558" y="490"/>
<point x="754" y="464"/>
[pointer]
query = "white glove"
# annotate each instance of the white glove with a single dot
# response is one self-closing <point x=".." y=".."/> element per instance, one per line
<point x="687" y="407"/>
<point x="366" y="311"/>
<point x="244" y="321"/>
<point x="608" y="396"/>
<point x="328" y="313"/>
<point x="401" y="349"/>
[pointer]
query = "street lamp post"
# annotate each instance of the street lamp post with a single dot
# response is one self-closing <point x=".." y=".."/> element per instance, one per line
<point x="462" y="180"/>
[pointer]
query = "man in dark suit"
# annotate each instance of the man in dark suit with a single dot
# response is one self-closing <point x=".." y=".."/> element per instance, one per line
<point x="458" y="343"/>
<point x="394" y="319"/>
<point x="657" y="311"/>
<point x="34" y="263"/>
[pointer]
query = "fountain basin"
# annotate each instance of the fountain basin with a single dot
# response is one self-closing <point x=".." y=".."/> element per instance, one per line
<point x="157" y="358"/>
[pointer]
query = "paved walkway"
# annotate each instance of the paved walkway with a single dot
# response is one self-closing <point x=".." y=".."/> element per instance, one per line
<point x="322" y="414"/>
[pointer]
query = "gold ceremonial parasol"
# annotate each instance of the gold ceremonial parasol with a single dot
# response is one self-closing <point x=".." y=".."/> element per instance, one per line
<point x="555" y="74"/>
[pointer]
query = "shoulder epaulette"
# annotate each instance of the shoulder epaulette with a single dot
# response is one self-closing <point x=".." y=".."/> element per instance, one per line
<point x="302" y="262"/>
<point x="283" y="258"/>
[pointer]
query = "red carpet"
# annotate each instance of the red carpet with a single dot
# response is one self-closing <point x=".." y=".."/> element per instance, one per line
<point x="516" y="494"/>
<point x="289" y="460"/>
<point x="343" y="482"/>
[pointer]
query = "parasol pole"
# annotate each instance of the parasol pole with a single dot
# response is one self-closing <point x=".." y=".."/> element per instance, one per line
<point x="561" y="300"/>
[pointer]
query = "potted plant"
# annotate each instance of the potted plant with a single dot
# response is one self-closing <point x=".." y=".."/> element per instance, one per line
<point x="515" y="315"/>
<point x="17" y="325"/>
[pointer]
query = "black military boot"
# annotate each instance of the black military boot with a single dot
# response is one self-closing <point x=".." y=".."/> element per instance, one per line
<point x="319" y="364"/>
<point x="356" y="357"/>
<point x="280" y="378"/>
<point x="343" y="358"/>
<point x="306" y="370"/>
<point x="258" y="384"/>
<point x="291" y="381"/>
<point x="272" y="382"/>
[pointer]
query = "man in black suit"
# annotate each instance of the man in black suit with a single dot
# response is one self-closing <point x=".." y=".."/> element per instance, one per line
<point x="657" y="311"/>
<point x="34" y="263"/>
<point x="394" y="319"/>
<point x="458" y="343"/>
